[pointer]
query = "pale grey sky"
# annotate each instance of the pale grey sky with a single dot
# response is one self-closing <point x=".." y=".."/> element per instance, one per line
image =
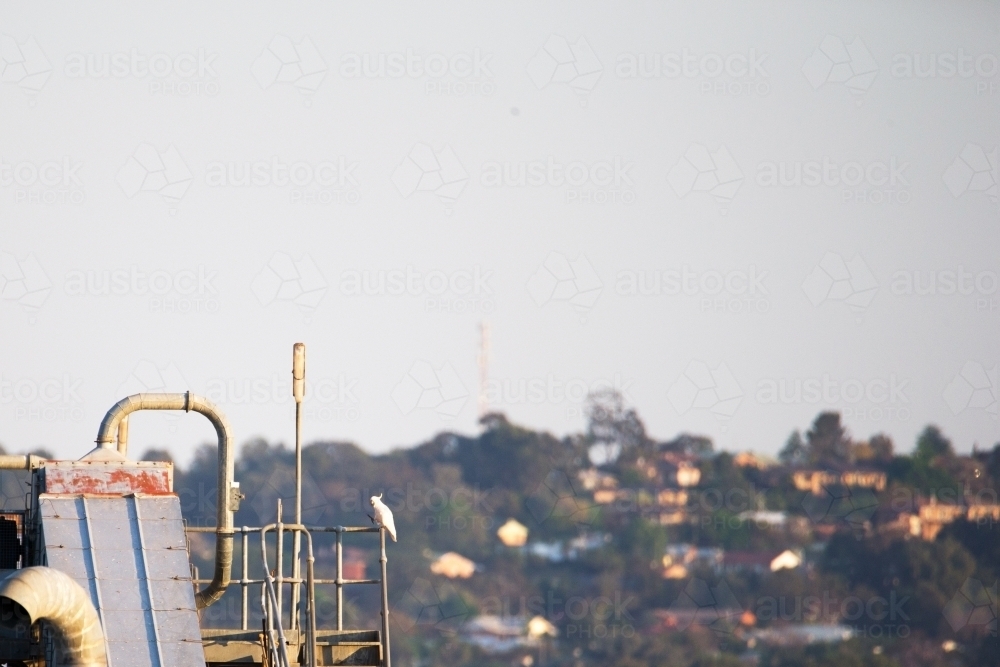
<point x="738" y="214"/>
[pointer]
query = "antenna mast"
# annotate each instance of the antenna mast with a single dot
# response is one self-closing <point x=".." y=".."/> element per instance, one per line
<point x="484" y="368"/>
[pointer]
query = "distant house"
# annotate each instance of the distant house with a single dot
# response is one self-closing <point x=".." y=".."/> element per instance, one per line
<point x="557" y="552"/>
<point x="765" y="518"/>
<point x="499" y="634"/>
<point x="753" y="460"/>
<point x="683" y="468"/>
<point x="934" y="516"/>
<point x="550" y="551"/>
<point x="672" y="497"/>
<point x="688" y="475"/>
<point x="584" y="543"/>
<point x="678" y="558"/>
<point x="608" y="496"/>
<point x="495" y="634"/>
<point x="673" y="517"/>
<point x="760" y="561"/>
<point x="817" y="481"/>
<point x="453" y="566"/>
<point x="593" y="479"/>
<point x="513" y="533"/>
<point x="799" y="634"/>
<point x="353" y="561"/>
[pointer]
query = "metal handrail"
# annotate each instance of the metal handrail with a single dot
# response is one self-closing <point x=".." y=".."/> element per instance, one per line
<point x="272" y="585"/>
<point x="310" y="588"/>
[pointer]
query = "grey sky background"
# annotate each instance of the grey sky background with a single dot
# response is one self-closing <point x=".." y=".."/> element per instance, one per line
<point x="137" y="169"/>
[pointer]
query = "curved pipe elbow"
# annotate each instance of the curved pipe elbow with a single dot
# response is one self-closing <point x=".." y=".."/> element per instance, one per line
<point x="50" y="595"/>
<point x="227" y="501"/>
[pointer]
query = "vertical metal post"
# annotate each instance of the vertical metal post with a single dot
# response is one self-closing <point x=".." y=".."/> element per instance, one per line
<point x="311" y="605"/>
<point x="244" y="582"/>
<point x="298" y="392"/>
<point x="340" y="578"/>
<point x="279" y="560"/>
<point x="385" y="602"/>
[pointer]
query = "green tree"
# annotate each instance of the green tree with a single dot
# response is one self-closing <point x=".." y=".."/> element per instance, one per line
<point x="932" y="444"/>
<point x="828" y="442"/>
<point x="794" y="452"/>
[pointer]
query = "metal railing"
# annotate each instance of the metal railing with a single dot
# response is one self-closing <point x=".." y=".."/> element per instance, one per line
<point x="273" y="585"/>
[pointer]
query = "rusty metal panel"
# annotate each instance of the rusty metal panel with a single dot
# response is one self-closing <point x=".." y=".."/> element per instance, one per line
<point x="109" y="477"/>
<point x="129" y="552"/>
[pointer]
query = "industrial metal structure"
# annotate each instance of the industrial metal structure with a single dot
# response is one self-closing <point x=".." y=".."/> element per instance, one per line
<point x="95" y="568"/>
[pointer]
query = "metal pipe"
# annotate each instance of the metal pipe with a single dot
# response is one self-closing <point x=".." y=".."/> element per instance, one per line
<point x="228" y="493"/>
<point x="46" y="593"/>
<point x="19" y="461"/>
<point x="270" y="580"/>
<point x="298" y="393"/>
<point x="340" y="579"/>
<point x="311" y="604"/>
<point x="279" y="557"/>
<point x="123" y="436"/>
<point x="385" y="601"/>
<point x="244" y="582"/>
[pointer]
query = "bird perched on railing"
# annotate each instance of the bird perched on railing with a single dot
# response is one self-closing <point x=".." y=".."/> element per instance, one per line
<point x="383" y="516"/>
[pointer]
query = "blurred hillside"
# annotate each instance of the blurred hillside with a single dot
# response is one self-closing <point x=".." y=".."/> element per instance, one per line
<point x="623" y="550"/>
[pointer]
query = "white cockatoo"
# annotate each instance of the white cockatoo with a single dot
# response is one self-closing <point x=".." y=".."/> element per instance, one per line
<point x="383" y="516"/>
